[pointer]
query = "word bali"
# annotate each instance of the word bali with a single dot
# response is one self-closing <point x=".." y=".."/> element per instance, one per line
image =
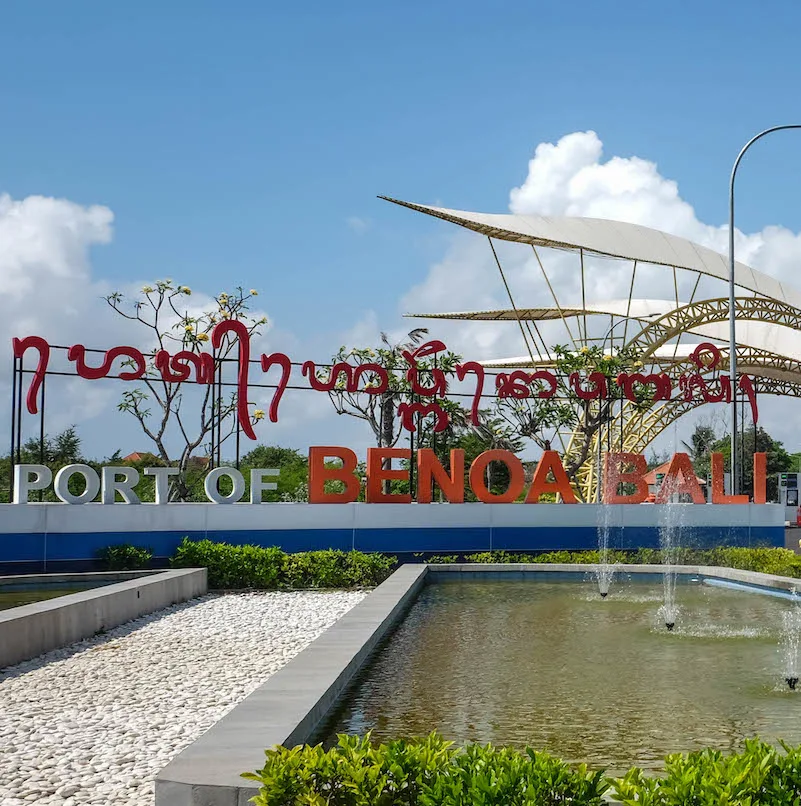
<point x="622" y="472"/>
<point x="519" y="384"/>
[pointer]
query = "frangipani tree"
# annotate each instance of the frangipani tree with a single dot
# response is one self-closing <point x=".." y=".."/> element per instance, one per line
<point x="176" y="424"/>
<point x="380" y="411"/>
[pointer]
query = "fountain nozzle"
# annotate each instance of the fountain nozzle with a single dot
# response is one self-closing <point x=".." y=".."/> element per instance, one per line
<point x="670" y="625"/>
<point x="792" y="682"/>
<point x="604" y="594"/>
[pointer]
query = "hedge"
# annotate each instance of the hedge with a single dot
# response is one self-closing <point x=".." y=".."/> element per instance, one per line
<point x="432" y="772"/>
<point x="235" y="567"/>
<point x="779" y="561"/>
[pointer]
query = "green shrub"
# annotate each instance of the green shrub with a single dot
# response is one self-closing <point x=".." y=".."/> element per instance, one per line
<point x="759" y="775"/>
<point x="443" y="559"/>
<point x="231" y="567"/>
<point x="125" y="557"/>
<point x="235" y="567"/>
<point x="431" y="772"/>
<point x="768" y="560"/>
<point x="426" y="772"/>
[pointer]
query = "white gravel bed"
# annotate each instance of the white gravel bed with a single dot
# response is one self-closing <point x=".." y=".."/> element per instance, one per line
<point x="95" y="722"/>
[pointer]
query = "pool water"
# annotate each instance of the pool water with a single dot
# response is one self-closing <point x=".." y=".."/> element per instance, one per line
<point x="9" y="599"/>
<point x="553" y="666"/>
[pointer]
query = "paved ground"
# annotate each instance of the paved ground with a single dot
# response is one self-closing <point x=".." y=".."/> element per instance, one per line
<point x="94" y="722"/>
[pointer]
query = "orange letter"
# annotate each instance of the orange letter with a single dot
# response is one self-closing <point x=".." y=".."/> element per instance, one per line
<point x="718" y="493"/>
<point x="517" y="479"/>
<point x="376" y="474"/>
<point x="319" y="474"/>
<point x="550" y="463"/>
<point x="760" y="473"/>
<point x="613" y="478"/>
<point x="429" y="469"/>
<point x="680" y="479"/>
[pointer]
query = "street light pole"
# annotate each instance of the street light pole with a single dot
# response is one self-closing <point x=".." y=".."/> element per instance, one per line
<point x="732" y="334"/>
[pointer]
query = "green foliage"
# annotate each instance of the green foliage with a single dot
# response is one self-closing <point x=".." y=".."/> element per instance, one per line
<point x="235" y="567"/>
<point x="424" y="772"/>
<point x="756" y="440"/>
<point x="294" y="466"/>
<point x="758" y="775"/>
<point x="778" y="561"/>
<point x="125" y="557"/>
<point x="335" y="569"/>
<point x="54" y="452"/>
<point x="700" y="447"/>
<point x="432" y="772"/>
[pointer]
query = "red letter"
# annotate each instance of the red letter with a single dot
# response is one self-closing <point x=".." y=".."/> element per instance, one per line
<point x="680" y="479"/>
<point x="613" y="478"/>
<point x="760" y="473"/>
<point x="430" y="469"/>
<point x="241" y="333"/>
<point x="77" y="353"/>
<point x="478" y="483"/>
<point x="718" y="493"/>
<point x="286" y="370"/>
<point x="319" y="474"/>
<point x="376" y="474"/>
<point x="37" y="343"/>
<point x="550" y="463"/>
<point x="461" y="373"/>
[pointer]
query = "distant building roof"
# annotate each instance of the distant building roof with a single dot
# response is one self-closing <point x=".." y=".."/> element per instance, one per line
<point x="136" y="456"/>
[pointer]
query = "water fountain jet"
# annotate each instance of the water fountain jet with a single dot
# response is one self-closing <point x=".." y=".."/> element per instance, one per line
<point x="604" y="570"/>
<point x="789" y="641"/>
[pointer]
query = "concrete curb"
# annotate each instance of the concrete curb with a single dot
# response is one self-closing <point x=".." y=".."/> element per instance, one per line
<point x="33" y="629"/>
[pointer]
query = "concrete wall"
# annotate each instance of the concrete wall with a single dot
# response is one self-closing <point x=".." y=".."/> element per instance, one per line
<point x="30" y="630"/>
<point x="35" y="533"/>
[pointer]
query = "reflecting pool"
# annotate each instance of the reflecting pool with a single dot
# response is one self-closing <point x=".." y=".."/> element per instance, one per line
<point x="553" y="666"/>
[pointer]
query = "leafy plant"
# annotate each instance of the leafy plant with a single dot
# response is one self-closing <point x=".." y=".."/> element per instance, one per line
<point x="235" y="567"/>
<point x="758" y="775"/>
<point x="422" y="772"/>
<point x="766" y="560"/>
<point x="125" y="557"/>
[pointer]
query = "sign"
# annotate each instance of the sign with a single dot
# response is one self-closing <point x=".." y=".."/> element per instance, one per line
<point x="373" y="379"/>
<point x="624" y="470"/>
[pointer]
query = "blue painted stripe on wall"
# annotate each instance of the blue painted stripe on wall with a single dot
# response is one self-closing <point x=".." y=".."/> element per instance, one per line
<point x="84" y="546"/>
<point x="445" y="540"/>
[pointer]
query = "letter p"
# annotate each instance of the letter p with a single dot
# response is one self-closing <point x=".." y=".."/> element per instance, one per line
<point x="30" y="477"/>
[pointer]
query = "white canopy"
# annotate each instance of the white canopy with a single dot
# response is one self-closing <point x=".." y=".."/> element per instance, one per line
<point x="612" y="239"/>
<point x="782" y="341"/>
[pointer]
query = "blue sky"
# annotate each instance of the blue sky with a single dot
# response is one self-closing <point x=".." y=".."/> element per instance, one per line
<point x="234" y="141"/>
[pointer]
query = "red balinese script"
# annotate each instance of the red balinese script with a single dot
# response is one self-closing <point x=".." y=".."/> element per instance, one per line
<point x="428" y="385"/>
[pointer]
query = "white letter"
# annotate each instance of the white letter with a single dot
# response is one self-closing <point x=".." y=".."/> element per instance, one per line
<point x="23" y="481"/>
<point x="162" y="494"/>
<point x="63" y="479"/>
<point x="212" y="487"/>
<point x="110" y="485"/>
<point x="257" y="484"/>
